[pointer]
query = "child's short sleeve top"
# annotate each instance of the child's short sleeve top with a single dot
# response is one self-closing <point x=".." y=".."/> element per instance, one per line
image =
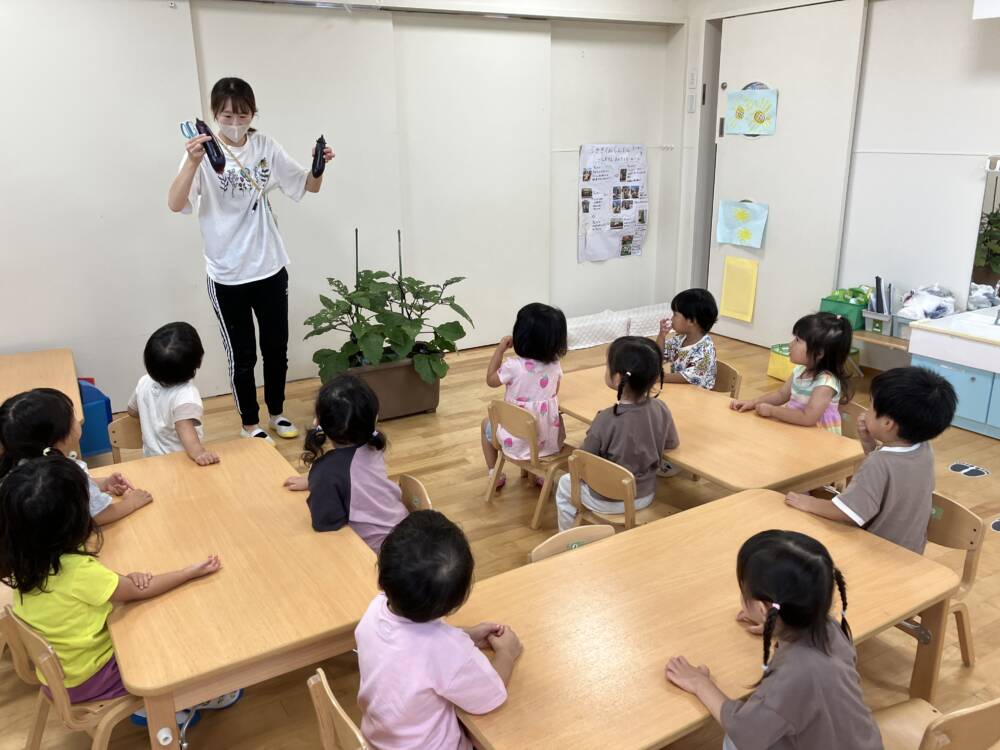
<point x="533" y="385"/>
<point x="695" y="361"/>
<point x="802" y="390"/>
<point x="413" y="675"/>
<point x="160" y="408"/>
<point x="72" y="612"/>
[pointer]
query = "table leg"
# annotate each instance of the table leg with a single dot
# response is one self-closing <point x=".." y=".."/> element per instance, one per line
<point x="923" y="681"/>
<point x="162" y="722"/>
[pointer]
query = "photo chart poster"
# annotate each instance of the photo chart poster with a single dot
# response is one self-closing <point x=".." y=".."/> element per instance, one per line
<point x="613" y="204"/>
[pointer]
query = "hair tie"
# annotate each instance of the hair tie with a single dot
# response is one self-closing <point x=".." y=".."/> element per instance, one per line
<point x="775" y="605"/>
<point x="839" y="317"/>
<point x="628" y="374"/>
<point x="46" y="451"/>
<point x="375" y="434"/>
<point x="843" y="613"/>
<point x="766" y="668"/>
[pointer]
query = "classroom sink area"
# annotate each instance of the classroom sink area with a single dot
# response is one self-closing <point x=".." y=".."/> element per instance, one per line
<point x="970" y="338"/>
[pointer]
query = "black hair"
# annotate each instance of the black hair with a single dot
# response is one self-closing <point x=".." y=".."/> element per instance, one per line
<point x="828" y="344"/>
<point x="346" y="412"/>
<point x="920" y="402"/>
<point x="44" y="514"/>
<point x="236" y="91"/>
<point x="425" y="567"/>
<point x="32" y="421"/>
<point x="794" y="575"/>
<point x="639" y="362"/>
<point x="540" y="333"/>
<point x="697" y="305"/>
<point x="173" y="354"/>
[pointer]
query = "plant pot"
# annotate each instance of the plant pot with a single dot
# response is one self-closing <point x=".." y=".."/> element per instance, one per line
<point x="400" y="390"/>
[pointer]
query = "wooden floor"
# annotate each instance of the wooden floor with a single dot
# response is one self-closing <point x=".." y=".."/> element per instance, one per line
<point x="443" y="450"/>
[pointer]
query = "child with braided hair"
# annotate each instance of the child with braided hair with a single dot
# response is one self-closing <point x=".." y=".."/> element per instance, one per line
<point x="809" y="697"/>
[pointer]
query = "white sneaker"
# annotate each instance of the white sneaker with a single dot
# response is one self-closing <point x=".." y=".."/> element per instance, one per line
<point x="223" y="701"/>
<point x="258" y="433"/>
<point x="283" y="426"/>
<point x="667" y="469"/>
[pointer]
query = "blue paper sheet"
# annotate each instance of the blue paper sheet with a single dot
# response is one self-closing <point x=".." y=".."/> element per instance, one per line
<point x="751" y="112"/>
<point x="741" y="223"/>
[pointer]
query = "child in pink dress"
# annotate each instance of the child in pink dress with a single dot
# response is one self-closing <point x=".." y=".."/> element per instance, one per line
<point x="415" y="668"/>
<point x="532" y="379"/>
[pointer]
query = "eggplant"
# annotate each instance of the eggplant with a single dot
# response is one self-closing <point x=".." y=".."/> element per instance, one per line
<point x="212" y="150"/>
<point x="319" y="163"/>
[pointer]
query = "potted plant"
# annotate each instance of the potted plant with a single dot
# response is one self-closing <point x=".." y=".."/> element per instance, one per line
<point x="391" y="344"/>
<point x="987" y="265"/>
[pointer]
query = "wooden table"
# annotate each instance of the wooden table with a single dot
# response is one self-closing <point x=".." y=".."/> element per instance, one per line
<point x="51" y="368"/>
<point x="738" y="451"/>
<point x="286" y="596"/>
<point x="599" y="623"/>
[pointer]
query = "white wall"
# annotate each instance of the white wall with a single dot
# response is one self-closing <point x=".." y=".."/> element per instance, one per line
<point x="614" y="83"/>
<point x="928" y="113"/>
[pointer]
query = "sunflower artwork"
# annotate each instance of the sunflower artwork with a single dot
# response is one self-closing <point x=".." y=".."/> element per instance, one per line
<point x="752" y="112"/>
<point x="741" y="223"/>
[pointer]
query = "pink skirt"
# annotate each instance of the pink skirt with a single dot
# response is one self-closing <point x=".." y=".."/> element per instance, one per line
<point x="829" y="420"/>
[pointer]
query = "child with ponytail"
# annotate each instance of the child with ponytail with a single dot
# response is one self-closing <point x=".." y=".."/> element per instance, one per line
<point x="347" y="482"/>
<point x="633" y="433"/>
<point x="810" y="695"/>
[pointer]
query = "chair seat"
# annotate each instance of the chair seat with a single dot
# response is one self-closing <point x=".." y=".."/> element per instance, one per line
<point x="903" y="724"/>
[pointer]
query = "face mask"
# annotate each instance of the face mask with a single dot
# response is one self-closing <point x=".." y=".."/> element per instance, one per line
<point x="234" y="133"/>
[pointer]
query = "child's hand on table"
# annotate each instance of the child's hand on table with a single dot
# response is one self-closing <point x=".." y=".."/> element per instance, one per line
<point x="117" y="485"/>
<point x="686" y="676"/>
<point x="207" y="458"/>
<point x="298" y="483"/>
<point x="506" y="642"/>
<point x="745" y="618"/>
<point x="765" y="410"/>
<point x="204" y="568"/>
<point x="480" y="634"/>
<point x="141" y="580"/>
<point x="138" y="498"/>
<point x="742" y="405"/>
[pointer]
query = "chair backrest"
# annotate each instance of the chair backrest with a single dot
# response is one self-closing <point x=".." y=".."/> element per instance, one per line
<point x="954" y="526"/>
<point x="604" y="477"/>
<point x="570" y="539"/>
<point x="413" y="493"/>
<point x="520" y="423"/>
<point x="727" y="379"/>
<point x="976" y="728"/>
<point x="9" y="635"/>
<point x="124" y="432"/>
<point x="47" y="663"/>
<point x="849" y="414"/>
<point x="336" y="730"/>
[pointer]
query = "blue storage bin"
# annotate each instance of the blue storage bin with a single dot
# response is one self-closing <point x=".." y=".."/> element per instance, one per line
<point x="96" y="418"/>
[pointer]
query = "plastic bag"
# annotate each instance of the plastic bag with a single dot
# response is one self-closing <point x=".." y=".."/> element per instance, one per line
<point x="932" y="301"/>
<point x="982" y="295"/>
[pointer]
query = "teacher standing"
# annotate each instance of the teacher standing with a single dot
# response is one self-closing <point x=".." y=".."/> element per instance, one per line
<point x="245" y="256"/>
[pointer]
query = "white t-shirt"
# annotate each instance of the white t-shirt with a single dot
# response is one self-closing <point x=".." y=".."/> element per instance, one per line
<point x="242" y="243"/>
<point x="99" y="501"/>
<point x="160" y="408"/>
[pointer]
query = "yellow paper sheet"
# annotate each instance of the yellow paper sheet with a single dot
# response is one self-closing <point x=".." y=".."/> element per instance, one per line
<point x="739" y="288"/>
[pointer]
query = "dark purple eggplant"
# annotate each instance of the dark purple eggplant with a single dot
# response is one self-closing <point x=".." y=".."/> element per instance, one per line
<point x="319" y="163"/>
<point x="212" y="150"/>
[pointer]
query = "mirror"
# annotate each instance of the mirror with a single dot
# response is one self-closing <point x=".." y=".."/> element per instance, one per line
<point x="986" y="268"/>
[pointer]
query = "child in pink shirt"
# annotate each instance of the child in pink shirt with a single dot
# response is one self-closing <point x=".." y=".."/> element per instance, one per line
<point x="532" y="379"/>
<point x="415" y="668"/>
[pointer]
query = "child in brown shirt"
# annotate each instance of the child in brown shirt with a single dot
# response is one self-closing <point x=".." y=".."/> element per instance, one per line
<point x="633" y="433"/>
<point x="810" y="695"/>
<point x="891" y="494"/>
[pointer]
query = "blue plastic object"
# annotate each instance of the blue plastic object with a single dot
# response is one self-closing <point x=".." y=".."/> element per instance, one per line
<point x="96" y="418"/>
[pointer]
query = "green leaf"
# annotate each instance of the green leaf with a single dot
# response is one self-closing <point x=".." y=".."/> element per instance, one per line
<point x="371" y="344"/>
<point x="321" y="355"/>
<point x="350" y="349"/>
<point x="332" y="364"/>
<point x="422" y="364"/>
<point x="442" y="345"/>
<point x="439" y="366"/>
<point x="461" y="311"/>
<point x="400" y="342"/>
<point x="453" y="280"/>
<point x="391" y="318"/>
<point x="451" y="331"/>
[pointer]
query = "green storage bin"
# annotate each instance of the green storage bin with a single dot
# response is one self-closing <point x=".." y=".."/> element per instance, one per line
<point x="853" y="313"/>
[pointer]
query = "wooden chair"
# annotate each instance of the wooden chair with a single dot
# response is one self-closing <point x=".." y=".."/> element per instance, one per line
<point x="336" y="730"/>
<point x="520" y="423"/>
<point x="849" y="414"/>
<point x="10" y="641"/>
<point x="612" y="481"/>
<point x="570" y="539"/>
<point x="126" y="433"/>
<point x="917" y="725"/>
<point x="954" y="526"/>
<point x="414" y="494"/>
<point x="727" y="379"/>
<point x="97" y="719"/>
